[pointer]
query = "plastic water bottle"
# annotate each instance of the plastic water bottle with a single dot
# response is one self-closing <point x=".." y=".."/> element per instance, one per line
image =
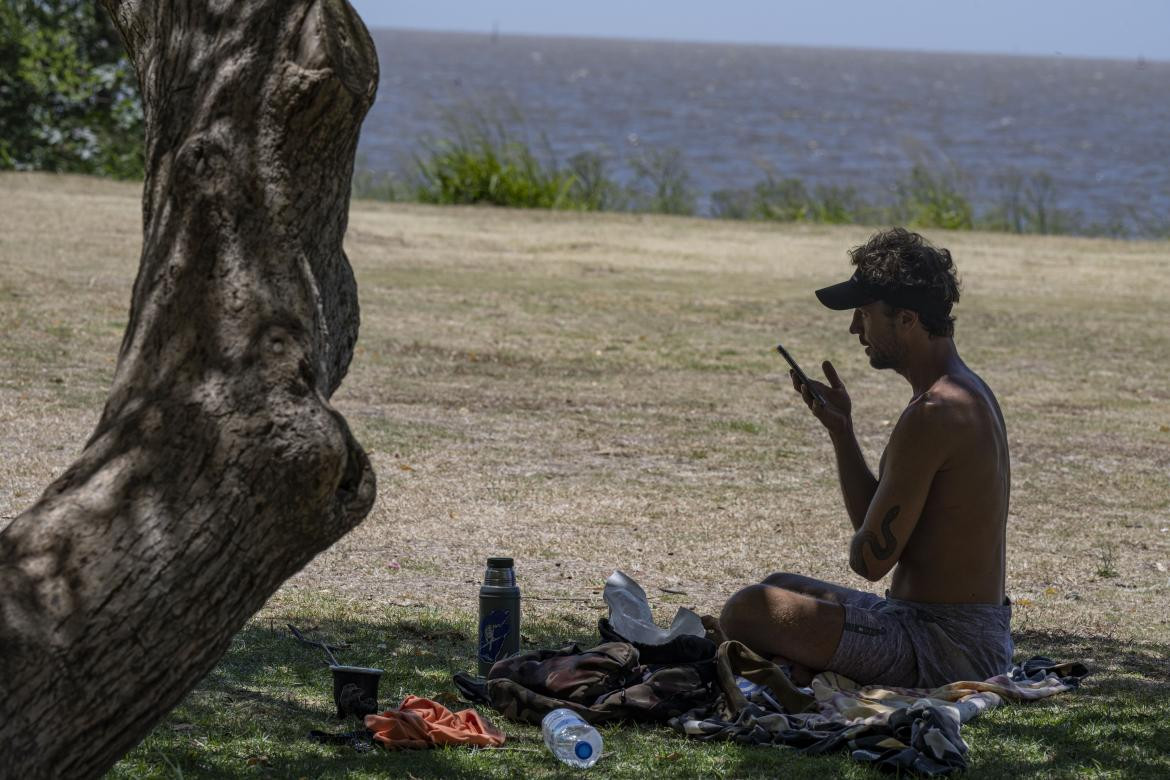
<point x="571" y="739"/>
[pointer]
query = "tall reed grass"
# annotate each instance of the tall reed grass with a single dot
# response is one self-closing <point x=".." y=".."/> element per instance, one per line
<point x="482" y="159"/>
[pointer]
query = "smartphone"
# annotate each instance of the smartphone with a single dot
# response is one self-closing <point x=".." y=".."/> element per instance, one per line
<point x="800" y="374"/>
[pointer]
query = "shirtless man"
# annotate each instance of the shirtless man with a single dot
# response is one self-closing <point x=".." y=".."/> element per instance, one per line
<point x="935" y="514"/>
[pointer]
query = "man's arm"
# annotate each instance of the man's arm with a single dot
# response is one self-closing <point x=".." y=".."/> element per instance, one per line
<point x="858" y="484"/>
<point x="916" y="451"/>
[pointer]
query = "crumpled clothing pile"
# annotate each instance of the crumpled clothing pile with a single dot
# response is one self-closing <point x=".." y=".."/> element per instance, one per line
<point x="897" y="729"/>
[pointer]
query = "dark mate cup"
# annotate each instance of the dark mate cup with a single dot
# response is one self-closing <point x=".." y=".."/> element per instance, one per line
<point x="364" y="678"/>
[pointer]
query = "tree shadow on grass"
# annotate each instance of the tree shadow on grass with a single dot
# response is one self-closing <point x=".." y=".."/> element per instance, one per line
<point x="250" y="717"/>
<point x="1118" y="721"/>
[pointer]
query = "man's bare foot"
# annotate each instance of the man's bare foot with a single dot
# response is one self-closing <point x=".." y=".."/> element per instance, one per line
<point x="714" y="631"/>
<point x="800" y="675"/>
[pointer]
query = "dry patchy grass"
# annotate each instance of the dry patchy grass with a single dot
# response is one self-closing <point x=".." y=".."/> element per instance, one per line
<point x="588" y="392"/>
<point x="591" y="392"/>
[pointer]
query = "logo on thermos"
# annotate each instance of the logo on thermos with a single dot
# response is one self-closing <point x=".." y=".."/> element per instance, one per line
<point x="493" y="632"/>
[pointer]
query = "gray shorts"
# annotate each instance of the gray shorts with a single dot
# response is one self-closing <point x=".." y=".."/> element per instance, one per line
<point x="912" y="644"/>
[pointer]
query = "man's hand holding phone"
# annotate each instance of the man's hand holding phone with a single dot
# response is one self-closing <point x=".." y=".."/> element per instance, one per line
<point x="829" y="403"/>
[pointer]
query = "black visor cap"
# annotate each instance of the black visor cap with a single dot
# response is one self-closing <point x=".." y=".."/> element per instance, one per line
<point x="847" y="295"/>
<point x="855" y="292"/>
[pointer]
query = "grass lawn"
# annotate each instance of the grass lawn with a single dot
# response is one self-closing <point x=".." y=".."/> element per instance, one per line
<point x="591" y="392"/>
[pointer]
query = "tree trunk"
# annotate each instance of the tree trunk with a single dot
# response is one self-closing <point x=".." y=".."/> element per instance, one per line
<point x="218" y="468"/>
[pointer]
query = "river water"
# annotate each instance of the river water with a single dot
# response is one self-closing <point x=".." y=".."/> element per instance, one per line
<point x="1099" y="128"/>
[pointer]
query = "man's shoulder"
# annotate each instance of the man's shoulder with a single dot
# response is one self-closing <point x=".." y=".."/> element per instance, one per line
<point x="943" y="413"/>
<point x="954" y="400"/>
<point x="923" y="425"/>
<point x="940" y="405"/>
<point x="951" y="418"/>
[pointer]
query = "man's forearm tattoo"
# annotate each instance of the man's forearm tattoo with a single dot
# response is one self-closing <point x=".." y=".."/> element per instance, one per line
<point x="880" y="550"/>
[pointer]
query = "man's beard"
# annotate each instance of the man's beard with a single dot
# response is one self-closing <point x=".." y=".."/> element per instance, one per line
<point x="880" y="359"/>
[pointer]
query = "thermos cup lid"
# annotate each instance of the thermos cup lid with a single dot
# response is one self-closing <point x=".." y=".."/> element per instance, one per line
<point x="499" y="563"/>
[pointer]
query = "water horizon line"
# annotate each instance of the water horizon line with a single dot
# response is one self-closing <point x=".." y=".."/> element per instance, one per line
<point x="1138" y="60"/>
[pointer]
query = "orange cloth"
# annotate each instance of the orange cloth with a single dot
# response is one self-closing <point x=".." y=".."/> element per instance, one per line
<point x="421" y="723"/>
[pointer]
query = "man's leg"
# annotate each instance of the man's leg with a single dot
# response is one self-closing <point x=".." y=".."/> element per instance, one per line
<point x="809" y="586"/>
<point x="775" y="621"/>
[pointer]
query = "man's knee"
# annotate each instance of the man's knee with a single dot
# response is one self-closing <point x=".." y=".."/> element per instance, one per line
<point x="783" y="579"/>
<point x="743" y="611"/>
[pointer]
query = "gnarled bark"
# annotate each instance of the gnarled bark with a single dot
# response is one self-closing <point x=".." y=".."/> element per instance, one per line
<point x="218" y="468"/>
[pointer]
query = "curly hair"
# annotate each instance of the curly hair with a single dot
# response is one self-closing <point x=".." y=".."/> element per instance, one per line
<point x="898" y="258"/>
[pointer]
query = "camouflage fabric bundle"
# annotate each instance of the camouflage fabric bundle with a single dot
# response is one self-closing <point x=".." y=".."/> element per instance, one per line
<point x="601" y="684"/>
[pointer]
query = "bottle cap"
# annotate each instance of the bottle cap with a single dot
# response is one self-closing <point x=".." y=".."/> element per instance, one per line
<point x="499" y="563"/>
<point x="583" y="750"/>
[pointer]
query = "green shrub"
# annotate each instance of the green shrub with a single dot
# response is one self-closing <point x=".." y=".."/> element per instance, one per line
<point x="662" y="184"/>
<point x="788" y="200"/>
<point x="481" y="162"/>
<point x="731" y="204"/>
<point x="507" y="175"/>
<point x="933" y="200"/>
<point x="784" y="200"/>
<point x="838" y="206"/>
<point x="1027" y="204"/>
<point x="593" y="189"/>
